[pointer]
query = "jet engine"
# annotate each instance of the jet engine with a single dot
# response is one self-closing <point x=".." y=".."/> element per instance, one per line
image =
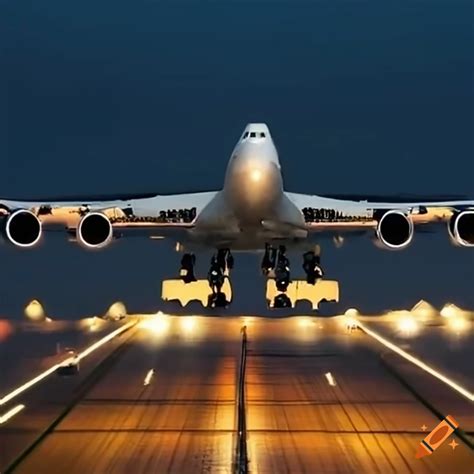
<point x="23" y="228"/>
<point x="395" y="230"/>
<point x="461" y="228"/>
<point x="94" y="230"/>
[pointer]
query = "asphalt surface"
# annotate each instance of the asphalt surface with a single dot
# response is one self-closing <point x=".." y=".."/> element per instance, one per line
<point x="185" y="419"/>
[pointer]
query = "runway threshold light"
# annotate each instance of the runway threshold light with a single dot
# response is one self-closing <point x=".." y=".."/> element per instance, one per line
<point x="408" y="325"/>
<point x="188" y="323"/>
<point x="157" y="324"/>
<point x="450" y="310"/>
<point x="458" y="324"/>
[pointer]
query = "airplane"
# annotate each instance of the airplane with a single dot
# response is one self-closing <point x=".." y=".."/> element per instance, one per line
<point x="252" y="212"/>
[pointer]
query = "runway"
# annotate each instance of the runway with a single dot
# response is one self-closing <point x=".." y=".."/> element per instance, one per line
<point x="316" y="399"/>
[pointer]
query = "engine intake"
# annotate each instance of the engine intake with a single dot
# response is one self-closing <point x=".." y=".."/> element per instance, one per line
<point x="395" y="230"/>
<point x="94" y="230"/>
<point x="461" y="228"/>
<point x="23" y="228"/>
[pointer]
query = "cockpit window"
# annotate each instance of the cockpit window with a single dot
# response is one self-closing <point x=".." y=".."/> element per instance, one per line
<point x="253" y="135"/>
<point x="246" y="134"/>
<point x="262" y="135"/>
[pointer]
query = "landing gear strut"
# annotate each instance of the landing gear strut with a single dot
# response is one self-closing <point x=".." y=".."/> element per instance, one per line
<point x="187" y="268"/>
<point x="221" y="264"/>
<point x="282" y="270"/>
<point x="312" y="266"/>
<point x="275" y="264"/>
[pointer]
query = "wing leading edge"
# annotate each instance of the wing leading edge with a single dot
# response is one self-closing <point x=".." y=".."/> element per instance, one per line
<point x="152" y="215"/>
<point x="393" y="220"/>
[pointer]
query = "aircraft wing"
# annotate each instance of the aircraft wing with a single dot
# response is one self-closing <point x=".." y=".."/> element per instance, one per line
<point x="336" y="215"/>
<point x="156" y="215"/>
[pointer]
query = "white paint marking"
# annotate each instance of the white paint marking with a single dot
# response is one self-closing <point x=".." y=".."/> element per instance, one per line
<point x="331" y="380"/>
<point x="414" y="360"/>
<point x="10" y="414"/>
<point x="14" y="393"/>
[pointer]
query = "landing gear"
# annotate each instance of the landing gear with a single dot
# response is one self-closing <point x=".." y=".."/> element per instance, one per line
<point x="282" y="270"/>
<point x="312" y="266"/>
<point x="282" y="301"/>
<point x="268" y="260"/>
<point x="276" y="265"/>
<point x="187" y="268"/>
<point x="221" y="264"/>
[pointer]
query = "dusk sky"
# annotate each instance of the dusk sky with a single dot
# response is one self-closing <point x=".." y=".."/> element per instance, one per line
<point x="110" y="97"/>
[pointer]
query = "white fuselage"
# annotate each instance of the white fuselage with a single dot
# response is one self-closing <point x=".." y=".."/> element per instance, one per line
<point x="252" y="206"/>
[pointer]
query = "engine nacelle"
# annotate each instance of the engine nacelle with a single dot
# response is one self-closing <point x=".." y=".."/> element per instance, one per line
<point x="461" y="228"/>
<point x="23" y="228"/>
<point x="395" y="230"/>
<point x="94" y="230"/>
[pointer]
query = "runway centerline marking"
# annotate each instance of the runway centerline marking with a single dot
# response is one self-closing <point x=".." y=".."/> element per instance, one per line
<point x="30" y="383"/>
<point x="419" y="363"/>
<point x="331" y="380"/>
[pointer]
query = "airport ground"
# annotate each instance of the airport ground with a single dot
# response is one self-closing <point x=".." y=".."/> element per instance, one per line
<point x="164" y="397"/>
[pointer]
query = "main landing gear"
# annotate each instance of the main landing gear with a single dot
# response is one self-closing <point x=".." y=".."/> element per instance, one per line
<point x="221" y="264"/>
<point x="276" y="265"/>
<point x="186" y="272"/>
<point x="217" y="278"/>
<point x="312" y="266"/>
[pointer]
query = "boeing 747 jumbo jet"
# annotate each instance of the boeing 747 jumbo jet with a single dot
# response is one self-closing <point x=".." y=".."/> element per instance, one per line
<point x="252" y="212"/>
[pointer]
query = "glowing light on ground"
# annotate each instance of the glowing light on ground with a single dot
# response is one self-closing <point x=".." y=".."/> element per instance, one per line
<point x="248" y="320"/>
<point x="458" y="324"/>
<point x="157" y="324"/>
<point x="304" y="322"/>
<point x="419" y="363"/>
<point x="408" y="325"/>
<point x="450" y="310"/>
<point x="188" y="323"/>
<point x="10" y="414"/>
<point x="30" y="383"/>
<point x="34" y="311"/>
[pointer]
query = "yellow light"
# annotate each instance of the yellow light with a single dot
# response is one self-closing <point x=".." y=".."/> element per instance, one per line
<point x="188" y="323"/>
<point x="248" y="320"/>
<point x="458" y="324"/>
<point x="157" y="324"/>
<point x="256" y="175"/>
<point x="414" y="360"/>
<point x="351" y="312"/>
<point x="449" y="311"/>
<point x="304" y="322"/>
<point x="34" y="311"/>
<point x="407" y="325"/>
